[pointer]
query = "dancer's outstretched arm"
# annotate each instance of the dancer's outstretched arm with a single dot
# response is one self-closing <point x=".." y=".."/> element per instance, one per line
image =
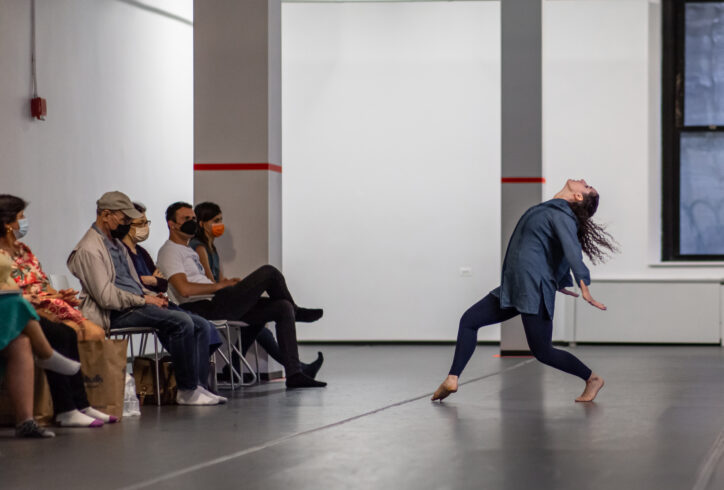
<point x="587" y="296"/>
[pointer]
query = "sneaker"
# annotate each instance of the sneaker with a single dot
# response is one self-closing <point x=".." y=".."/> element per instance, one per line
<point x="31" y="429"/>
<point x="194" y="397"/>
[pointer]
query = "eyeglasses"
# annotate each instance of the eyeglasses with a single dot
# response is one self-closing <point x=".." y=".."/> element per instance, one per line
<point x="142" y="223"/>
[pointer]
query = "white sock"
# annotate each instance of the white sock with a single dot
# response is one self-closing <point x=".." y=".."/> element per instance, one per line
<point x="194" y="397"/>
<point x="74" y="418"/>
<point x="92" y="412"/>
<point x="221" y="399"/>
<point x="60" y="364"/>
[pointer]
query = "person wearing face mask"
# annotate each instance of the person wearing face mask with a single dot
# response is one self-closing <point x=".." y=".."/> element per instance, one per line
<point x="151" y="277"/>
<point x="211" y="226"/>
<point x="56" y="306"/>
<point x="58" y="318"/>
<point x="234" y="299"/>
<point x="139" y="231"/>
<point x="114" y="297"/>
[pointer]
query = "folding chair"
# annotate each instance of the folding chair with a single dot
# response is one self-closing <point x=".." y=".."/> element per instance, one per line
<point x="144" y="332"/>
<point x="225" y="327"/>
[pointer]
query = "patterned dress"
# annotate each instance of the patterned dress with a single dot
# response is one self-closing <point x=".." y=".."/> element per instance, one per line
<point x="29" y="276"/>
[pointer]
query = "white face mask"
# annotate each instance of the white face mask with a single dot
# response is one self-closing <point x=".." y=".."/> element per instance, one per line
<point x="141" y="233"/>
<point x="24" y="225"/>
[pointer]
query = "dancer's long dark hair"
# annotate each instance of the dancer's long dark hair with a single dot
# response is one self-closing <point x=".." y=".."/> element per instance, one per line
<point x="596" y="242"/>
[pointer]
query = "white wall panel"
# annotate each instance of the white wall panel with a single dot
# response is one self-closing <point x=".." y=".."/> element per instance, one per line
<point x="391" y="131"/>
<point x="651" y="311"/>
<point x="119" y="83"/>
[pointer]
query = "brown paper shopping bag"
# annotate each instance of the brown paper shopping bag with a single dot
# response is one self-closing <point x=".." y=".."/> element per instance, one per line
<point x="103" y="363"/>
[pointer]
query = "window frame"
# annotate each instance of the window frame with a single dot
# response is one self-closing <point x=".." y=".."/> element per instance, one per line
<point x="672" y="121"/>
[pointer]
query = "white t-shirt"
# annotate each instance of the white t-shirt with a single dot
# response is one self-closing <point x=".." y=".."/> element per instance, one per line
<point x="174" y="259"/>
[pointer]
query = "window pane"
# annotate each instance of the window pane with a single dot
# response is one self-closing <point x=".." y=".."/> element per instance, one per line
<point x="702" y="194"/>
<point x="704" y="69"/>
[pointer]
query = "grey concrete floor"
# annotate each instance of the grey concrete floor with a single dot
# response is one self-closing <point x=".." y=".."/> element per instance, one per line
<point x="658" y="423"/>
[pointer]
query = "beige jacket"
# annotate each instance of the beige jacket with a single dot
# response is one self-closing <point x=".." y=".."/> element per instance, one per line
<point x="92" y="264"/>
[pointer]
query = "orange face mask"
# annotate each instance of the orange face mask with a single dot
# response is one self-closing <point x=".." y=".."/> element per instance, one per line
<point x="217" y="229"/>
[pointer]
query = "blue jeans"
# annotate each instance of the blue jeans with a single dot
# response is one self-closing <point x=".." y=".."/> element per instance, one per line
<point x="186" y="339"/>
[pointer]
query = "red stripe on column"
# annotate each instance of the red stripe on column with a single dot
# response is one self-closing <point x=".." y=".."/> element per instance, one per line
<point x="238" y="166"/>
<point x="523" y="180"/>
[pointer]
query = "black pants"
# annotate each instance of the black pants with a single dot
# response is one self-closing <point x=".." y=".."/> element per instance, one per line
<point x="67" y="392"/>
<point x="538" y="332"/>
<point x="243" y="302"/>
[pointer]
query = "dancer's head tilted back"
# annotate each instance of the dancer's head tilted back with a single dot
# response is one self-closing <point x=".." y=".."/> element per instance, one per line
<point x="583" y="199"/>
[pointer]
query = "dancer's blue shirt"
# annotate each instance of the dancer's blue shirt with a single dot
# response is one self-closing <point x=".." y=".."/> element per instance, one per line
<point x="542" y="252"/>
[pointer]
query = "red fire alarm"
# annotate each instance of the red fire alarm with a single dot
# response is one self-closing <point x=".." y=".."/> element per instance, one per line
<point x="38" y="108"/>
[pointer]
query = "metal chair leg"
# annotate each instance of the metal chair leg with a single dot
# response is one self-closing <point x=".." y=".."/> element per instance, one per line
<point x="256" y="358"/>
<point x="238" y="349"/>
<point x="130" y="341"/>
<point x="213" y="383"/>
<point x="158" y="379"/>
<point x="232" y="371"/>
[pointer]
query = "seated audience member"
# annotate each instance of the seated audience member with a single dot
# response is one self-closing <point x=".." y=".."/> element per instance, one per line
<point x="70" y="401"/>
<point x="234" y="299"/>
<point x="211" y="226"/>
<point x="16" y="365"/>
<point x="151" y="277"/>
<point x="56" y="306"/>
<point x="20" y="338"/>
<point x="113" y="297"/>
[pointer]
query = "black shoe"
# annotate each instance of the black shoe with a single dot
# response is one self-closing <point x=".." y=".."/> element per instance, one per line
<point x="301" y="380"/>
<point x="312" y="369"/>
<point x="308" y="315"/>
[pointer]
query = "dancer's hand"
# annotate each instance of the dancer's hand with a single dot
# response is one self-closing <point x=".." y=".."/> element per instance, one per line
<point x="569" y="293"/>
<point x="587" y="296"/>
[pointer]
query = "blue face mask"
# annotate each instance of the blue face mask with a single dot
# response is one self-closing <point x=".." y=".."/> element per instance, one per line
<point x="20" y="233"/>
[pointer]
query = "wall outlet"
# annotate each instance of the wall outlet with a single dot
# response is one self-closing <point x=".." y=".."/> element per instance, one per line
<point x="466" y="271"/>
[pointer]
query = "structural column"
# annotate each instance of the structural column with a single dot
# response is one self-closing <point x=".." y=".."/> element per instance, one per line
<point x="521" y="130"/>
<point x="237" y="126"/>
<point x="237" y="129"/>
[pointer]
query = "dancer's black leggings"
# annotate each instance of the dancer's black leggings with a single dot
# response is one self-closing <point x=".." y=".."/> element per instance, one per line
<point x="538" y="331"/>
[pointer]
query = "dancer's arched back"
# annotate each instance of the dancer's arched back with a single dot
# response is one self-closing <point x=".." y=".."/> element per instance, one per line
<point x="547" y="244"/>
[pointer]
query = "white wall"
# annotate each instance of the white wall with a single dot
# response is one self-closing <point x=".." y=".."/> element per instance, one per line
<point x="601" y="121"/>
<point x="391" y="150"/>
<point x="601" y="115"/>
<point x="119" y="83"/>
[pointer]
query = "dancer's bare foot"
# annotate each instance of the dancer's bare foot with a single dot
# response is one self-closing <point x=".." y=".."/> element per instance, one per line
<point x="449" y="386"/>
<point x="593" y="386"/>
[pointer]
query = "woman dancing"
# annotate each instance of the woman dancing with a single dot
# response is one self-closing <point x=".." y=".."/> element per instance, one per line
<point x="546" y="245"/>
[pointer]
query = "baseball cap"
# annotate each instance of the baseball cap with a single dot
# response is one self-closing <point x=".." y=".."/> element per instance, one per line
<point x="118" y="201"/>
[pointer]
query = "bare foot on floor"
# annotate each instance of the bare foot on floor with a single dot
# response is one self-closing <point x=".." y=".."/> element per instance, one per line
<point x="593" y="386"/>
<point x="449" y="386"/>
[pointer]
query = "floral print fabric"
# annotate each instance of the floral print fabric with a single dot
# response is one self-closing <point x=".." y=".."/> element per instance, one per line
<point x="29" y="276"/>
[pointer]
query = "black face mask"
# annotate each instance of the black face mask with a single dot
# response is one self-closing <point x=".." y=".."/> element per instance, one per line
<point x="121" y="231"/>
<point x="189" y="227"/>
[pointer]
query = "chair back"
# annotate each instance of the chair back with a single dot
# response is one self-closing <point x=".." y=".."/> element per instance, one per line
<point x="59" y="281"/>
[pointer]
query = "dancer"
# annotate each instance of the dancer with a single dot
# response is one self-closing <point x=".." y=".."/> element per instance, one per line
<point x="546" y="246"/>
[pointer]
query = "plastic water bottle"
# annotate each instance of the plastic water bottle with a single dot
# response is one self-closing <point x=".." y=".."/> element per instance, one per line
<point x="130" y="401"/>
